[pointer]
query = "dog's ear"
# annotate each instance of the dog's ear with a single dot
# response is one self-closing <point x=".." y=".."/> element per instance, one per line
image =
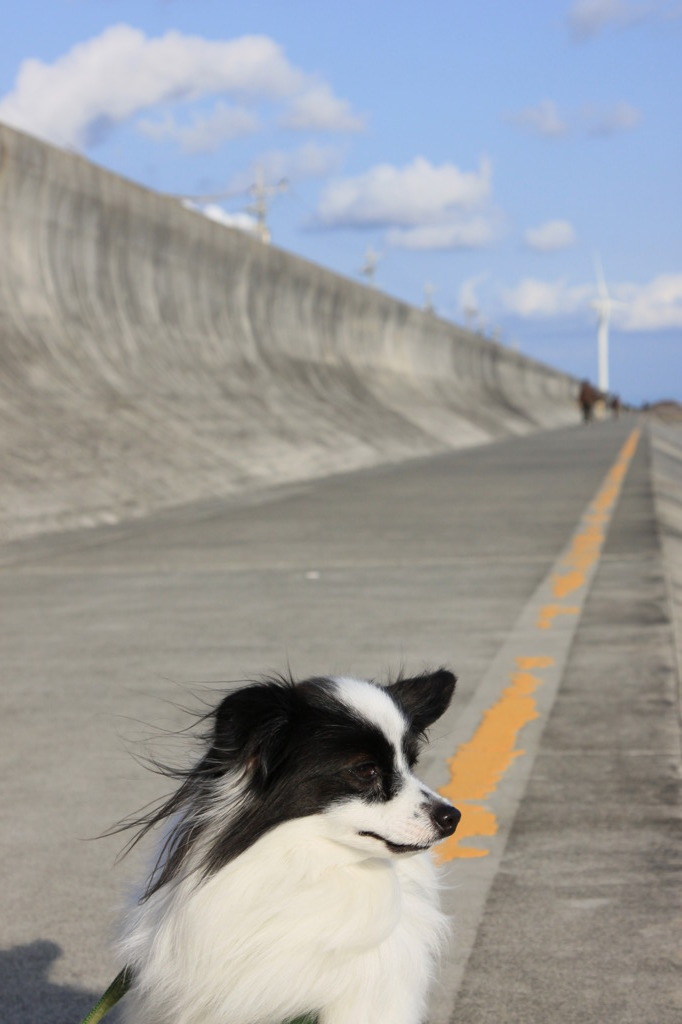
<point x="424" y="698"/>
<point x="251" y="729"/>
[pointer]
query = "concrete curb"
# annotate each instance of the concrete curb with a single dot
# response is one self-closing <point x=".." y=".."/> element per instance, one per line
<point x="666" y="476"/>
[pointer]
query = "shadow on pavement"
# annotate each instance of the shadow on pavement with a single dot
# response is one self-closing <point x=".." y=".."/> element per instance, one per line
<point x="27" y="996"/>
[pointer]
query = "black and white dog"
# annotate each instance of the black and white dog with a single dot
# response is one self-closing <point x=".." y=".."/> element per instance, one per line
<point x="294" y="875"/>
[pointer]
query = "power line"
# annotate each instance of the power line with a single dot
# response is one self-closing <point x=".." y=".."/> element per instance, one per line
<point x="262" y="196"/>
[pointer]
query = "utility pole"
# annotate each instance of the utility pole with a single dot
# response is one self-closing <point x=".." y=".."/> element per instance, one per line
<point x="429" y="289"/>
<point x="470" y="317"/>
<point x="262" y="197"/>
<point x="369" y="268"/>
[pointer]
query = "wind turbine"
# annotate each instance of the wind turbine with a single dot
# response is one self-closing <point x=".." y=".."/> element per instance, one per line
<point x="604" y="305"/>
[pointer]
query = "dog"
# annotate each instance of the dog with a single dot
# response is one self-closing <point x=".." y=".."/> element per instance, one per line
<point x="293" y="876"/>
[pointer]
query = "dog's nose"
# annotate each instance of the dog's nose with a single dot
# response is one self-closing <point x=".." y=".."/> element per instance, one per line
<point x="446" y="818"/>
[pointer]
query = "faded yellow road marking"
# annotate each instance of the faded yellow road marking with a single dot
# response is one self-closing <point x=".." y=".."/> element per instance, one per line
<point x="587" y="543"/>
<point x="479" y="764"/>
<point x="549" y="612"/>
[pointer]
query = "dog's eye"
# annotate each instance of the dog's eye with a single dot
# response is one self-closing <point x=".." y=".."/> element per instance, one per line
<point x="366" y="771"/>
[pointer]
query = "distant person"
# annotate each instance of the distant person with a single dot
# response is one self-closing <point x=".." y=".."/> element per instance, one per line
<point x="614" y="406"/>
<point x="587" y="398"/>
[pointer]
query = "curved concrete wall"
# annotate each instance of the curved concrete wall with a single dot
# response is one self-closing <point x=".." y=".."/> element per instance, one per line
<point x="150" y="356"/>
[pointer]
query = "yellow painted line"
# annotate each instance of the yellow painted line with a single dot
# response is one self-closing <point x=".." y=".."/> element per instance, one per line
<point x="549" y="612"/>
<point x="480" y="764"/>
<point x="587" y="543"/>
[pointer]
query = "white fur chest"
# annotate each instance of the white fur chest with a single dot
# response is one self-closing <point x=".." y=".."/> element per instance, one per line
<point x="280" y="932"/>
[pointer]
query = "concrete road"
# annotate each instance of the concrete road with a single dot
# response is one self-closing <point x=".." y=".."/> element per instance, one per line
<point x="531" y="566"/>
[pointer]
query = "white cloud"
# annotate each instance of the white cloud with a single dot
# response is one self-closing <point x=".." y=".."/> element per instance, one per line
<point x="587" y="18"/>
<point x="115" y="75"/>
<point x="204" y="133"/>
<point x="461" y="233"/>
<point x="550" y="236"/>
<point x="544" y="299"/>
<point x="317" y="109"/>
<point x="112" y="77"/>
<point x="308" y="161"/>
<point x="622" y="117"/>
<point x="238" y="219"/>
<point x="650" y="307"/>
<point x="654" y="306"/>
<point x="412" y="196"/>
<point x="543" y="119"/>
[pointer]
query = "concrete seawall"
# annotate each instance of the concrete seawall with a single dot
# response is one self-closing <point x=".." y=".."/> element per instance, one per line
<point x="150" y="357"/>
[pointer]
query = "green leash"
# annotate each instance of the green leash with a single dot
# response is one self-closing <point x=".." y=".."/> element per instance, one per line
<point x="116" y="991"/>
<point x="120" y="986"/>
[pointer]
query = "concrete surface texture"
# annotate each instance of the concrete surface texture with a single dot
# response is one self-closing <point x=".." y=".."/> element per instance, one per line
<point x="571" y="914"/>
<point x="150" y="357"/>
<point x="666" y="451"/>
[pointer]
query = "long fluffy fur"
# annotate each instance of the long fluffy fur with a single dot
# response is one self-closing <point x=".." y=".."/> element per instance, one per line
<point x="294" y="875"/>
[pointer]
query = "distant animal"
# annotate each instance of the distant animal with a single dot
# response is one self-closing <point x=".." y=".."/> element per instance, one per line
<point x="293" y="876"/>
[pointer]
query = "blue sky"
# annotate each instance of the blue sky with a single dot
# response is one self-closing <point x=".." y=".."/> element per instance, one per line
<point x="485" y="152"/>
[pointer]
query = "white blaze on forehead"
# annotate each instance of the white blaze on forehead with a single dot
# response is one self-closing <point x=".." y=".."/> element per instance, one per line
<point x="404" y="819"/>
<point x="375" y="705"/>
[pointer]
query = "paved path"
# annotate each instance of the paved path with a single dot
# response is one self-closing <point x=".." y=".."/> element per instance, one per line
<point x="571" y="910"/>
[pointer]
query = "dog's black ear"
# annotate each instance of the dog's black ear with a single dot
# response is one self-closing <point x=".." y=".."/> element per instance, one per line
<point x="424" y="698"/>
<point x="251" y="729"/>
